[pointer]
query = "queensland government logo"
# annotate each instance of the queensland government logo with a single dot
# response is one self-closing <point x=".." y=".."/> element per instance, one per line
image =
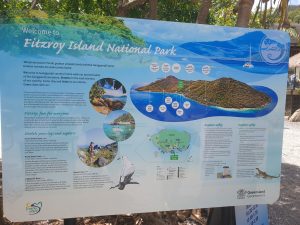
<point x="33" y="208"/>
<point x="273" y="50"/>
<point x="243" y="194"/>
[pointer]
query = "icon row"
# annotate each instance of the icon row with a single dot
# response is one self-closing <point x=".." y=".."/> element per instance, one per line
<point x="176" y="68"/>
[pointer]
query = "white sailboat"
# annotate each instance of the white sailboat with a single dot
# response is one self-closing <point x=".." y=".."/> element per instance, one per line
<point x="116" y="129"/>
<point x="249" y="64"/>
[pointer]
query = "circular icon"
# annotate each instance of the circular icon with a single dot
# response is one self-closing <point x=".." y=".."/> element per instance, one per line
<point x="94" y="149"/>
<point x="149" y="108"/>
<point x="187" y="105"/>
<point x="154" y="67"/>
<point x="175" y="105"/>
<point x="168" y="100"/>
<point x="107" y="95"/>
<point x="176" y="68"/>
<point x="162" y="108"/>
<point x="206" y="69"/>
<point x="165" y="67"/>
<point x="190" y="68"/>
<point x="273" y="50"/>
<point x="119" y="125"/>
<point x="179" y="112"/>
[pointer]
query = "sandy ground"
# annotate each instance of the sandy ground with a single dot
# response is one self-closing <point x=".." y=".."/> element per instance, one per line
<point x="291" y="143"/>
<point x="286" y="211"/>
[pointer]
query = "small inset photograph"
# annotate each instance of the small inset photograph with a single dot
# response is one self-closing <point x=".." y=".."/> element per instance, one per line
<point x="107" y="95"/>
<point x="225" y="173"/>
<point x="119" y="125"/>
<point x="264" y="175"/>
<point x="94" y="149"/>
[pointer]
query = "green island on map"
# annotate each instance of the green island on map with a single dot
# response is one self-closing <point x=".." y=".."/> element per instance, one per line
<point x="169" y="140"/>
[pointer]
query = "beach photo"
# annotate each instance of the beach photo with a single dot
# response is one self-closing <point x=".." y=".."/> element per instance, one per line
<point x="119" y="125"/>
<point x="107" y="95"/>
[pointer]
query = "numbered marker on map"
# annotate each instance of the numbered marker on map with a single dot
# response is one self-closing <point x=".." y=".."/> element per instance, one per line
<point x="154" y="67"/>
<point x="149" y="108"/>
<point x="206" y="69"/>
<point x="175" y="105"/>
<point x="176" y="68"/>
<point x="190" y="68"/>
<point x="162" y="108"/>
<point x="179" y="112"/>
<point x="168" y="100"/>
<point x="187" y="105"/>
<point x="166" y="67"/>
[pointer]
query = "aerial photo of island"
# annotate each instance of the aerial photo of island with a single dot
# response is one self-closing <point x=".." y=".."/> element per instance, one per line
<point x="223" y="92"/>
<point x="175" y="100"/>
<point x="107" y="95"/>
<point x="119" y="125"/>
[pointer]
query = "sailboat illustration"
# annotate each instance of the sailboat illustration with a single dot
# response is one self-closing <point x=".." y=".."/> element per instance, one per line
<point x="249" y="64"/>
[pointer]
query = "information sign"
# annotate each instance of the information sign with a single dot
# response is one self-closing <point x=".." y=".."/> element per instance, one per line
<point x="113" y="116"/>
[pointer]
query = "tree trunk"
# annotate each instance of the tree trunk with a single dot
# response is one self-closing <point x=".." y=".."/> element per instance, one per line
<point x="256" y="11"/>
<point x="125" y="5"/>
<point x="284" y="20"/>
<point x="203" y="11"/>
<point x="33" y="4"/>
<point x="244" y="13"/>
<point x="265" y="15"/>
<point x="120" y="8"/>
<point x="153" y="9"/>
<point x="286" y="23"/>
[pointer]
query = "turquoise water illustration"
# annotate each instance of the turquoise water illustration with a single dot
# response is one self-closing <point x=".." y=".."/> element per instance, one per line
<point x="114" y="98"/>
<point x="118" y="132"/>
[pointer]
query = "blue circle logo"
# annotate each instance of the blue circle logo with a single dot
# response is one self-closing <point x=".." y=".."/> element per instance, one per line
<point x="273" y="50"/>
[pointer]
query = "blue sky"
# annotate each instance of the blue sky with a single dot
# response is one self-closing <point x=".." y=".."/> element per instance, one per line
<point x="292" y="2"/>
<point x="114" y="115"/>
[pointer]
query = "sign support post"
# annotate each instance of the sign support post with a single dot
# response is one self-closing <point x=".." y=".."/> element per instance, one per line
<point x="222" y="215"/>
<point x="70" y="221"/>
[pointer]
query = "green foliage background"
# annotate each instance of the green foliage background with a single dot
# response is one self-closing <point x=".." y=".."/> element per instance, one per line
<point x="222" y="12"/>
<point x="91" y="12"/>
<point x="96" y="92"/>
<point x="99" y="28"/>
<point x="126" y="117"/>
<point x="294" y="14"/>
